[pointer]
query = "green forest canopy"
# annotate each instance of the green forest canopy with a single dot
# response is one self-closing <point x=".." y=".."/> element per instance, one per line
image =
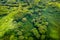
<point x="29" y="19"/>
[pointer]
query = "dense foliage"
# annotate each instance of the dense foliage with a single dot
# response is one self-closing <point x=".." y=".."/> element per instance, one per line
<point x="29" y="19"/>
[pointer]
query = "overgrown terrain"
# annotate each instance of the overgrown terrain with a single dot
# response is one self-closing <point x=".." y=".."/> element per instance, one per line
<point x="29" y="19"/>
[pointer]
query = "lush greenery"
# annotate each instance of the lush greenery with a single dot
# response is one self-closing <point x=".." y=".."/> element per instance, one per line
<point x="29" y="19"/>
